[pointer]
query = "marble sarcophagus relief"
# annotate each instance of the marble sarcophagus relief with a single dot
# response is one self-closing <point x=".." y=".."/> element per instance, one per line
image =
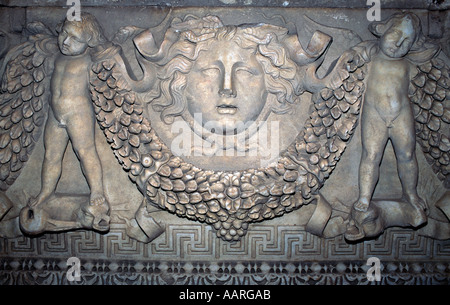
<point x="220" y="136"/>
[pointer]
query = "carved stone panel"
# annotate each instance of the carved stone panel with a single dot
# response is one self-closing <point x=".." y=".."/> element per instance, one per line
<point x="224" y="145"/>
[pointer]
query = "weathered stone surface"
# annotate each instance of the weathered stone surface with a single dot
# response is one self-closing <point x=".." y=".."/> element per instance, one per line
<point x="279" y="134"/>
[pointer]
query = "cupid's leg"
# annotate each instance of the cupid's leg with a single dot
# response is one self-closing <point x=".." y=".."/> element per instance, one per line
<point x="55" y="144"/>
<point x="403" y="138"/>
<point x="374" y="137"/>
<point x="82" y="135"/>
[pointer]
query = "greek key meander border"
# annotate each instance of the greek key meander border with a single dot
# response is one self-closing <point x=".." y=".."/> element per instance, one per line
<point x="196" y="242"/>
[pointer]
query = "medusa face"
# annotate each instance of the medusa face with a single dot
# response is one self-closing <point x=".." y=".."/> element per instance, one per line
<point x="226" y="86"/>
<point x="72" y="40"/>
<point x="398" y="39"/>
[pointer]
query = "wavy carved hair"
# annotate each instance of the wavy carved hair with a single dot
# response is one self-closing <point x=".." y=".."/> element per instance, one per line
<point x="90" y="26"/>
<point x="422" y="48"/>
<point x="279" y="70"/>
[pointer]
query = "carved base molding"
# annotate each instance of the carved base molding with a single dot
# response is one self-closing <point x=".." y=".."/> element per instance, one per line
<point x="192" y="255"/>
<point x="30" y="271"/>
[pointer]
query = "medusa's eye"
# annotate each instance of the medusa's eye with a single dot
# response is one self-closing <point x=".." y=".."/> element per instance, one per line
<point x="246" y="71"/>
<point x="210" y="71"/>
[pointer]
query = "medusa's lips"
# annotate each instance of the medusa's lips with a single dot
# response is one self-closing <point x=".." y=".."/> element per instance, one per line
<point x="226" y="109"/>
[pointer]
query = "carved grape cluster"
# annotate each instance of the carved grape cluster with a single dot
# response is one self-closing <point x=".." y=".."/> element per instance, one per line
<point x="332" y="121"/>
<point x="228" y="201"/>
<point x="429" y="95"/>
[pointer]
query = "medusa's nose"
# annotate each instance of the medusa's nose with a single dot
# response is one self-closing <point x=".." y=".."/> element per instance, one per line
<point x="227" y="87"/>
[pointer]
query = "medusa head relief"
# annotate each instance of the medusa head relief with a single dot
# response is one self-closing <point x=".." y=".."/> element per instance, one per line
<point x="222" y="83"/>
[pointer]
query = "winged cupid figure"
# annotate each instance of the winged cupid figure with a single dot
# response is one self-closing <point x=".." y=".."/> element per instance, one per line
<point x="406" y="97"/>
<point x="25" y="102"/>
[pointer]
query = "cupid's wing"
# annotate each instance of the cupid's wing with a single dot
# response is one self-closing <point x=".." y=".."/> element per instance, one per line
<point x="24" y="95"/>
<point x="430" y="95"/>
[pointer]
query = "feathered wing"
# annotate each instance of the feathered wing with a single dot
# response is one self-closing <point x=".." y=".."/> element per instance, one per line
<point x="430" y="96"/>
<point x="24" y="95"/>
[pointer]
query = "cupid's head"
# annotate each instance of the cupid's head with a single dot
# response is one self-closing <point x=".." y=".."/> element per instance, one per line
<point x="75" y="37"/>
<point x="398" y="34"/>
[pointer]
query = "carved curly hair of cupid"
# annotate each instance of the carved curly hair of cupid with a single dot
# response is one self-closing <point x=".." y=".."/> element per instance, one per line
<point x="280" y="74"/>
<point x="422" y="49"/>
<point x="91" y="27"/>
